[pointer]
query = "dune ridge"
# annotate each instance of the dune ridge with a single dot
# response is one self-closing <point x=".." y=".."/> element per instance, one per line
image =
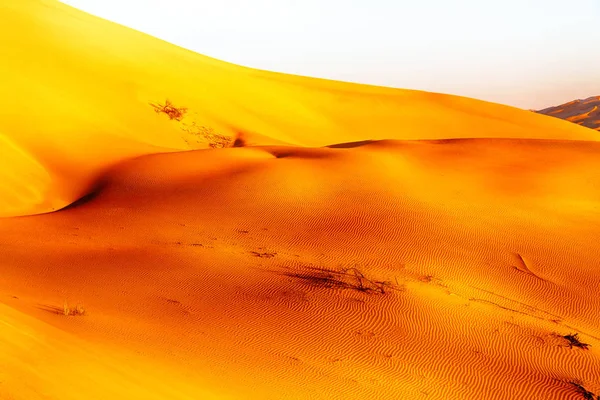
<point x="359" y="242"/>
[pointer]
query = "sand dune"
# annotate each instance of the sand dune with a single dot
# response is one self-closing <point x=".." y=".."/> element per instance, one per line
<point x="582" y="112"/>
<point x="360" y="243"/>
<point x="78" y="91"/>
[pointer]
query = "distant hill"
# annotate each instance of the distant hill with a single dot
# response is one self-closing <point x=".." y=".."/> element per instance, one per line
<point x="582" y="112"/>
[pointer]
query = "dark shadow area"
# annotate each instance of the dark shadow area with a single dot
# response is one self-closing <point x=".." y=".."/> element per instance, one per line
<point x="91" y="195"/>
<point x="239" y="142"/>
<point x="51" y="309"/>
<point x="350" y="145"/>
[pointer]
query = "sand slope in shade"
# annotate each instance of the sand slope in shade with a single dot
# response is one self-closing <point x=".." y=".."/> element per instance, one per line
<point x="224" y="265"/>
<point x="77" y="93"/>
<point x="585" y="112"/>
<point x="361" y="243"/>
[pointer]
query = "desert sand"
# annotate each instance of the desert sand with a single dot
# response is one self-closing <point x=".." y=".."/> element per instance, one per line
<point x="358" y="242"/>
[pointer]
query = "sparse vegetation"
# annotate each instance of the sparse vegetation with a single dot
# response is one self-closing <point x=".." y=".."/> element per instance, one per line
<point x="176" y="113"/>
<point x="586" y="394"/>
<point x="206" y="134"/>
<point x="363" y="284"/>
<point x="573" y="341"/>
<point x="346" y="278"/>
<point x="78" y="310"/>
<point x="215" y="140"/>
<point x="263" y="255"/>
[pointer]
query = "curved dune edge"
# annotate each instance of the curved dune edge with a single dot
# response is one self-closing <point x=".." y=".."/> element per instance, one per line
<point x="235" y="270"/>
<point x="80" y="89"/>
<point x="26" y="184"/>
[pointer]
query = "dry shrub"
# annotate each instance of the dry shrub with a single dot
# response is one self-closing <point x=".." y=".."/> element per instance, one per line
<point x="363" y="284"/>
<point x="214" y="139"/>
<point x="76" y="311"/>
<point x="206" y="134"/>
<point x="346" y="278"/>
<point x="176" y="113"/>
<point x="263" y="255"/>
<point x="573" y="340"/>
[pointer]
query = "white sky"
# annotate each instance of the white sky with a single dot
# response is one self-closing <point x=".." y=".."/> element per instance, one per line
<point x="527" y="53"/>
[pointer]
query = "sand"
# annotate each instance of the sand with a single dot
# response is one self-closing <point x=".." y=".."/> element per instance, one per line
<point x="359" y="242"/>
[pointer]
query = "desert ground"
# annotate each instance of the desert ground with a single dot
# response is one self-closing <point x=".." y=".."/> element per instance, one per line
<point x="347" y="242"/>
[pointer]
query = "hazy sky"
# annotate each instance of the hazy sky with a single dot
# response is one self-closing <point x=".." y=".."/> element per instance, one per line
<point x="527" y="53"/>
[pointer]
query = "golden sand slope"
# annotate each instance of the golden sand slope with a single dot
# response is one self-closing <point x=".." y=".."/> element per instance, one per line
<point x="405" y="268"/>
<point x="76" y="92"/>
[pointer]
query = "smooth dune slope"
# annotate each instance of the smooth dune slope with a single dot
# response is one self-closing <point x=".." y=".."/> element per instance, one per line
<point x="76" y="94"/>
<point x="236" y="270"/>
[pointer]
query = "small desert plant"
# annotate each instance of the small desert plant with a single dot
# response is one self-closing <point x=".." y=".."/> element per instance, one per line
<point x="573" y="341"/>
<point x="78" y="310"/>
<point x="263" y="255"/>
<point x="348" y="278"/>
<point x="215" y="140"/>
<point x="363" y="284"/>
<point x="176" y="113"/>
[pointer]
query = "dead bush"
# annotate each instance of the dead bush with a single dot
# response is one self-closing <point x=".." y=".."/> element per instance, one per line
<point x="204" y="133"/>
<point x="174" y="113"/>
<point x="346" y="278"/>
<point x="573" y="341"/>
<point x="76" y="311"/>
<point x="207" y="134"/>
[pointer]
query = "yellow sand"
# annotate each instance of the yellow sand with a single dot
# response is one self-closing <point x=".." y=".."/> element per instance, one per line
<point x="361" y="243"/>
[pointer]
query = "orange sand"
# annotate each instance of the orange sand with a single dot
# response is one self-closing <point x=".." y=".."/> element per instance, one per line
<point x="216" y="273"/>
